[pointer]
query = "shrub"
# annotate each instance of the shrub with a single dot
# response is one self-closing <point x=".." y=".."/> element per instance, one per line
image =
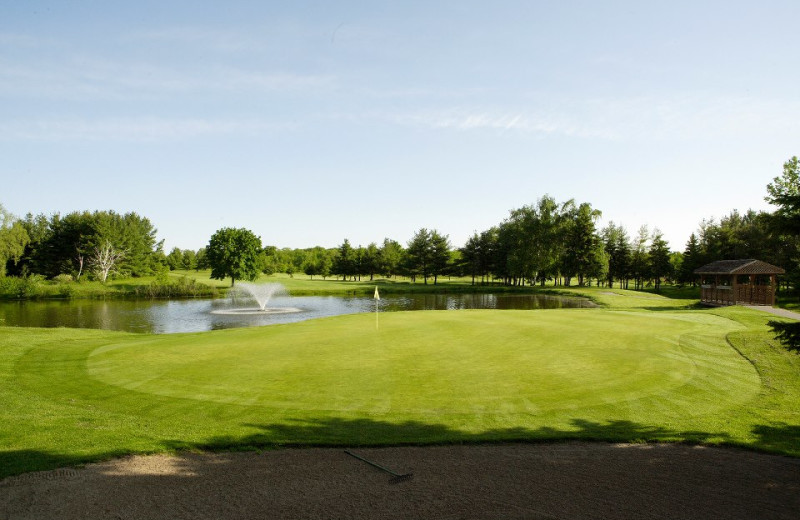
<point x="183" y="287"/>
<point x="65" y="290"/>
<point x="63" y="278"/>
<point x="13" y="287"/>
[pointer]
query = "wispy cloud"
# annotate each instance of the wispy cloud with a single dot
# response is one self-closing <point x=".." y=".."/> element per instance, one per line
<point x="203" y="37"/>
<point x="142" y="129"/>
<point x="694" y="116"/>
<point x="83" y="77"/>
<point x="537" y="122"/>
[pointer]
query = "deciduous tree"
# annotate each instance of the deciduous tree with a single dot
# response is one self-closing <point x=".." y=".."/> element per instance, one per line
<point x="234" y="253"/>
<point x="104" y="259"/>
<point x="784" y="192"/>
<point x="13" y="239"/>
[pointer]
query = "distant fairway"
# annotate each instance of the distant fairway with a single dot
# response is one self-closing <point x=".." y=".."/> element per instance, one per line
<point x="418" y="377"/>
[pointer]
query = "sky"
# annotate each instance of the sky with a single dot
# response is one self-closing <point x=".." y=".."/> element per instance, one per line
<point x="312" y="122"/>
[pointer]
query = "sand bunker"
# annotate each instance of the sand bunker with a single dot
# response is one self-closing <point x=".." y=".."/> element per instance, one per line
<point x="567" y="480"/>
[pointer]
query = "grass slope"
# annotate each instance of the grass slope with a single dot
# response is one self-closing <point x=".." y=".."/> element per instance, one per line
<point x="712" y="376"/>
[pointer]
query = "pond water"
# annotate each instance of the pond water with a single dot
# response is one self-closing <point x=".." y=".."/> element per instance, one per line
<point x="165" y="317"/>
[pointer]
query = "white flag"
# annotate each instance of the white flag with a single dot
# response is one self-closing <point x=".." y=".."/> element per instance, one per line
<point x="377" y="296"/>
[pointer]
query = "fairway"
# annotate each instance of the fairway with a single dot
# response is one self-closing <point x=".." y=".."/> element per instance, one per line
<point x="633" y="375"/>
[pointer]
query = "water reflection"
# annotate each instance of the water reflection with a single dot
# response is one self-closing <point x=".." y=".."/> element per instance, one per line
<point x="166" y="317"/>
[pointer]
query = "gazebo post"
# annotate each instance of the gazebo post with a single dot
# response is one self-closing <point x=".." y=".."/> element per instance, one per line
<point x="772" y="288"/>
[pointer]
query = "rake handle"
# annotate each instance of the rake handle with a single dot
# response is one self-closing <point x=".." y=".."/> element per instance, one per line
<point x="387" y="470"/>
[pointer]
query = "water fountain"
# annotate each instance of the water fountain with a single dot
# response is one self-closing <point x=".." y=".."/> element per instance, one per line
<point x="262" y="293"/>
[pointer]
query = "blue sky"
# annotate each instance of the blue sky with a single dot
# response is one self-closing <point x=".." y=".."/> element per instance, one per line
<point x="311" y="122"/>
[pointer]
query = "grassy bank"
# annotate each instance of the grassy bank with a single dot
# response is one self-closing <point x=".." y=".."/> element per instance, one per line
<point x="642" y="369"/>
<point x="190" y="283"/>
<point x="173" y="285"/>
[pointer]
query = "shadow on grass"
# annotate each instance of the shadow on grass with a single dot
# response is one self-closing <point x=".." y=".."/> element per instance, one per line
<point x="690" y="307"/>
<point x="568" y="481"/>
<point x="370" y="432"/>
<point x="779" y="438"/>
<point x="337" y="432"/>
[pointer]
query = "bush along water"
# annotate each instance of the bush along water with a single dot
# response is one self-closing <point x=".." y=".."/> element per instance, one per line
<point x="183" y="287"/>
<point x="35" y="287"/>
<point x="21" y="288"/>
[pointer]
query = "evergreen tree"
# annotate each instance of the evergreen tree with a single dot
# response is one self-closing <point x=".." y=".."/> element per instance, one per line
<point x="659" y="258"/>
<point x="618" y="250"/>
<point x="692" y="259"/>
<point x="470" y="256"/>
<point x="440" y="255"/>
<point x="345" y="261"/>
<point x="639" y="260"/>
<point x="420" y="253"/>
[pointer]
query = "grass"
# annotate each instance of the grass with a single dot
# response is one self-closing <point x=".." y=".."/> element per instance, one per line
<point x="202" y="285"/>
<point x="644" y="368"/>
<point x="184" y="284"/>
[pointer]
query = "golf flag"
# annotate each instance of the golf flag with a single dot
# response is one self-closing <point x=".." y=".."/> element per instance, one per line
<point x="377" y="296"/>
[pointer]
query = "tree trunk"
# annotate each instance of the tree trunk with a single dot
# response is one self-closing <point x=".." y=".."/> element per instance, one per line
<point x="80" y="267"/>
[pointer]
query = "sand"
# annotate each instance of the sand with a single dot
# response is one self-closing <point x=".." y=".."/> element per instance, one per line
<point x="564" y="480"/>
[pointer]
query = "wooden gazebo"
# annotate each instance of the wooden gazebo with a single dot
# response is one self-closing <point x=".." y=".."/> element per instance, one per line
<point x="743" y="282"/>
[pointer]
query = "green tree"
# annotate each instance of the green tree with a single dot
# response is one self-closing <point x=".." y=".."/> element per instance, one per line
<point x="692" y="259"/>
<point x="201" y="262"/>
<point x="419" y="254"/>
<point x="530" y="242"/>
<point x="390" y="257"/>
<point x="318" y="262"/>
<point x="676" y="265"/>
<point x="470" y="256"/>
<point x="13" y="239"/>
<point x="659" y="258"/>
<point x="618" y="250"/>
<point x="784" y="192"/>
<point x="580" y="245"/>
<point x="440" y="254"/>
<point x="189" y="259"/>
<point x="175" y="259"/>
<point x="370" y="261"/>
<point x="488" y="253"/>
<point x="234" y="252"/>
<point x="345" y="262"/>
<point x="64" y="244"/>
<point x="640" y="262"/>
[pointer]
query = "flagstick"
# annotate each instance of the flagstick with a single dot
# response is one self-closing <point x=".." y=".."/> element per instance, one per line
<point x="377" y="298"/>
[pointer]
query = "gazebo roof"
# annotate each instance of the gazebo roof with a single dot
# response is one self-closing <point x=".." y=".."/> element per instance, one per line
<point x="746" y="266"/>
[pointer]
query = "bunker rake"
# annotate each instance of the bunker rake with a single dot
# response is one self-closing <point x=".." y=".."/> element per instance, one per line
<point x="396" y="477"/>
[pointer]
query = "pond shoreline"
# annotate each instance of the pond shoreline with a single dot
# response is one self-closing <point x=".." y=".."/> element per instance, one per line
<point x="161" y="316"/>
<point x="193" y="289"/>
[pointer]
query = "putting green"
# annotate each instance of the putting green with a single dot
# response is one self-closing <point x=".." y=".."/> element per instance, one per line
<point x="71" y="396"/>
<point x="469" y="363"/>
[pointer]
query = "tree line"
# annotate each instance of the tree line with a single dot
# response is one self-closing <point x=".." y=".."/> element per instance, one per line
<point x="539" y="243"/>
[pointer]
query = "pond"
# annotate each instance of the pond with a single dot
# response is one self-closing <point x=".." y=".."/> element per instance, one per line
<point x="165" y="317"/>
